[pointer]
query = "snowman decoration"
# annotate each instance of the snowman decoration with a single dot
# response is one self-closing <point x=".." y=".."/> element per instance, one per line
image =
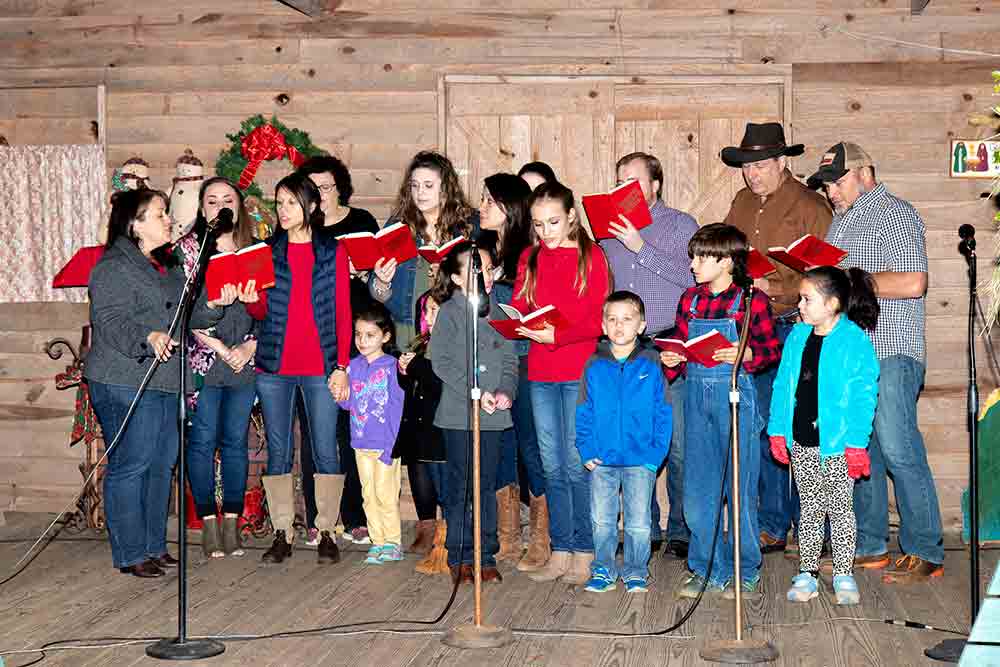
<point x="184" y="194"/>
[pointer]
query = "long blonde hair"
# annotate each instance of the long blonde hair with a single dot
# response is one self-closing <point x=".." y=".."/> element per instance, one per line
<point x="555" y="191"/>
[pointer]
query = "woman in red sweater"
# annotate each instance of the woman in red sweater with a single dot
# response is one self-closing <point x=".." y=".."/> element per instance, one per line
<point x="563" y="268"/>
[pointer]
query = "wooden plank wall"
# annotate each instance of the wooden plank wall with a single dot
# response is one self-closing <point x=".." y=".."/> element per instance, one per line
<point x="363" y="80"/>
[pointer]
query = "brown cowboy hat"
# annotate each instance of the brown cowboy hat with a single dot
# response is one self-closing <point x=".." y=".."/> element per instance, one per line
<point x="760" y="141"/>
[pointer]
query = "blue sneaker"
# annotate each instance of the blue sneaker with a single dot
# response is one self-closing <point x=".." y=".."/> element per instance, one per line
<point x="374" y="554"/>
<point x="750" y="589"/>
<point x="804" y="588"/>
<point x="636" y="585"/>
<point x="601" y="581"/>
<point x="390" y="553"/>
<point x="845" y="589"/>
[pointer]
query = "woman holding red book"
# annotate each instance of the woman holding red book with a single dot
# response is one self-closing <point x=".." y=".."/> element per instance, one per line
<point x="563" y="268"/>
<point x="225" y="387"/>
<point x="309" y="308"/>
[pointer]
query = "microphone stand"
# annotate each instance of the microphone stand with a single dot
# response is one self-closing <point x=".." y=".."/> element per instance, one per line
<point x="950" y="650"/>
<point x="476" y="635"/>
<point x="182" y="648"/>
<point x="739" y="650"/>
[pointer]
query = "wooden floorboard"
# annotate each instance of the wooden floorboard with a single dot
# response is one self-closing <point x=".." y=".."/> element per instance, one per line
<point x="71" y="591"/>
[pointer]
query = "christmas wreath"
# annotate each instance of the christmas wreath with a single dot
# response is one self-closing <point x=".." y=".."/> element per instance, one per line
<point x="260" y="140"/>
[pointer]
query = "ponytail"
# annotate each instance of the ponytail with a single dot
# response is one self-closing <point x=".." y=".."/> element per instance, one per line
<point x="854" y="290"/>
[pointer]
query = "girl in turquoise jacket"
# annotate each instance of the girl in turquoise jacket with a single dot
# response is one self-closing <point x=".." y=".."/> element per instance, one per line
<point x="822" y="409"/>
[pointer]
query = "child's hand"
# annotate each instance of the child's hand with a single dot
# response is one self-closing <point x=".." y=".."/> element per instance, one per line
<point x="727" y="355"/>
<point x="227" y="295"/>
<point x="859" y="464"/>
<point x="404" y="361"/>
<point x="504" y="401"/>
<point x="339" y="388"/>
<point x="488" y="402"/>
<point x="671" y="359"/>
<point x="546" y="336"/>
<point x="248" y="293"/>
<point x="592" y="463"/>
<point x="779" y="449"/>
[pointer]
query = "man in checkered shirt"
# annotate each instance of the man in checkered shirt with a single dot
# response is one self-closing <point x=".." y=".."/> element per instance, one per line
<point x="884" y="235"/>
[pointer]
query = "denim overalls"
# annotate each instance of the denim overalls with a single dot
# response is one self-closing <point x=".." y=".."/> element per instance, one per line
<point x="706" y="414"/>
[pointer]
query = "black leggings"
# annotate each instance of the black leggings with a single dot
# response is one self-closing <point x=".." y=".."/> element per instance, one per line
<point x="422" y="489"/>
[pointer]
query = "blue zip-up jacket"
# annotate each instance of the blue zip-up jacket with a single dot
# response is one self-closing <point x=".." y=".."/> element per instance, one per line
<point x="848" y="387"/>
<point x="623" y="417"/>
<point x="324" y="289"/>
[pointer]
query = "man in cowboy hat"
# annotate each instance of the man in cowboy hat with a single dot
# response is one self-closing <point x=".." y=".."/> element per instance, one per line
<point x="885" y="236"/>
<point x="774" y="210"/>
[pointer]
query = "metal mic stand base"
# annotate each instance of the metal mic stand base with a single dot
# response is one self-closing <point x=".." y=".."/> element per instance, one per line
<point x="477" y="636"/>
<point x="948" y="650"/>
<point x="191" y="649"/>
<point x="739" y="651"/>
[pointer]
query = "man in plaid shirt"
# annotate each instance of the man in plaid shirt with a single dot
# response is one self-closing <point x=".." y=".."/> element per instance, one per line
<point x="653" y="263"/>
<point x="884" y="235"/>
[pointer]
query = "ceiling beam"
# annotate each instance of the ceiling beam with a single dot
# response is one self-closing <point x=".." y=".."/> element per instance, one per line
<point x="917" y="6"/>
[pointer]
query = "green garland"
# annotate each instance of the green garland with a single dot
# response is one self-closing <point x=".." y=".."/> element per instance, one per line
<point x="231" y="163"/>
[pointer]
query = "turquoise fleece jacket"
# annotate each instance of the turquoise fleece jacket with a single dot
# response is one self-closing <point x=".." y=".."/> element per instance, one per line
<point x="848" y="387"/>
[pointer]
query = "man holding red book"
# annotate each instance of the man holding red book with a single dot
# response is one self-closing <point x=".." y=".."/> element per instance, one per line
<point x="774" y="210"/>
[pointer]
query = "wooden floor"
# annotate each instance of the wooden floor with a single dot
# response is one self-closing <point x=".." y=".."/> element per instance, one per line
<point x="71" y="591"/>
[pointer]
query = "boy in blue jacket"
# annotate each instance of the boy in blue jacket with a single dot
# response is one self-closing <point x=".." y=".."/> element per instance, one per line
<point x="623" y="427"/>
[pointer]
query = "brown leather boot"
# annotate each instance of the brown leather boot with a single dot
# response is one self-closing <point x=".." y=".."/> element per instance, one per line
<point x="509" y="524"/>
<point x="424" y="541"/>
<point x="436" y="562"/>
<point x="540" y="548"/>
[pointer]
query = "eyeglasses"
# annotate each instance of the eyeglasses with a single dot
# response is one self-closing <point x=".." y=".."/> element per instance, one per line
<point x="327" y="188"/>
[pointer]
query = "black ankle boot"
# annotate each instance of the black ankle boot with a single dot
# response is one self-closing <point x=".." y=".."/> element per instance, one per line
<point x="280" y="549"/>
<point x="327" y="550"/>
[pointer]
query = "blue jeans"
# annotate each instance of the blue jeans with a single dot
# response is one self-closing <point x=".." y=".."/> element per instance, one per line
<point x="779" y="498"/>
<point x="567" y="482"/>
<point x="897" y="447"/>
<point x="706" y="404"/>
<point x="636" y="485"/>
<point x="220" y="421"/>
<point x="521" y="442"/>
<point x="458" y="499"/>
<point x="677" y="528"/>
<point x="140" y="469"/>
<point x="438" y="472"/>
<point x="277" y="401"/>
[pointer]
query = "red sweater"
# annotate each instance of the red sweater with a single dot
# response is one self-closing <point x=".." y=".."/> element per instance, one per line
<point x="301" y="354"/>
<point x="563" y="361"/>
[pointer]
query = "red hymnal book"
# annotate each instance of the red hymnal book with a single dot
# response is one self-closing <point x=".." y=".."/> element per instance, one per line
<point x="251" y="263"/>
<point x="435" y="253"/>
<point x="757" y="264"/>
<point x="699" y="349"/>
<point x="76" y="273"/>
<point x="807" y="253"/>
<point x="535" y="320"/>
<point x="391" y="242"/>
<point x="603" y="209"/>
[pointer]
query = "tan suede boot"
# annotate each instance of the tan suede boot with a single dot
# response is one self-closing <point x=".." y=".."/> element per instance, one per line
<point x="509" y="524"/>
<point x="540" y="547"/>
<point x="579" y="570"/>
<point x="557" y="566"/>
<point x="329" y="489"/>
<point x="436" y="562"/>
<point x="424" y="541"/>
<point x="280" y="492"/>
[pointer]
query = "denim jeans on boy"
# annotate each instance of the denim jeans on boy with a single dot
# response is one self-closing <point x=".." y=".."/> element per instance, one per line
<point x="458" y="503"/>
<point x="677" y="528"/>
<point x="779" y="503"/>
<point x="636" y="485"/>
<point x="567" y="482"/>
<point x="707" y="431"/>
<point x="277" y="401"/>
<point x="896" y="446"/>
<point x="140" y="469"/>
<point x="521" y="442"/>
<point x="220" y="421"/>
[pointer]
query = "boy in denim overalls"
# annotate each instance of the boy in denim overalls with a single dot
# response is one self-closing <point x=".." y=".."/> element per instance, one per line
<point x="718" y="260"/>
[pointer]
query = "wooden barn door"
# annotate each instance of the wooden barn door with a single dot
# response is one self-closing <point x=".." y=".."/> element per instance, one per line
<point x="580" y="126"/>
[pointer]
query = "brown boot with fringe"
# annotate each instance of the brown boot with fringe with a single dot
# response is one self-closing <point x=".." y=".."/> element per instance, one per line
<point x="436" y="562"/>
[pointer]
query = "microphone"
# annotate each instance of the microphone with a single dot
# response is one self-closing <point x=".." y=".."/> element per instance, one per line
<point x="968" y="235"/>
<point x="483" y="303"/>
<point x="223" y="222"/>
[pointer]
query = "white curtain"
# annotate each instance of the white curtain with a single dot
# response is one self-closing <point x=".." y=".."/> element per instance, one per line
<point x="52" y="203"/>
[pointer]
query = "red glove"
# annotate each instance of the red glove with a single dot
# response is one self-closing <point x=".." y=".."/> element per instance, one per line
<point x="779" y="450"/>
<point x="859" y="464"/>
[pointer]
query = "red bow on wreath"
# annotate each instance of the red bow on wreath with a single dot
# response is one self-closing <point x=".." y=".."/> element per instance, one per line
<point x="265" y="143"/>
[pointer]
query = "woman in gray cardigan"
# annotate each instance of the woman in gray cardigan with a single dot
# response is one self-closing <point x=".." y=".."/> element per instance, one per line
<point x="134" y="291"/>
